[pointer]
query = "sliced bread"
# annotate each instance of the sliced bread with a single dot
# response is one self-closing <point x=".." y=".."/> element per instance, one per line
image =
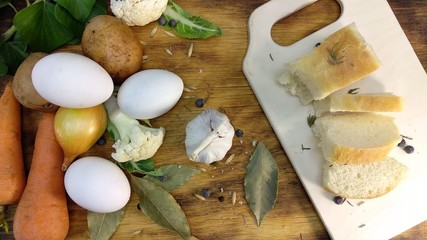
<point x="373" y="102"/>
<point x="350" y="138"/>
<point x="363" y="181"/>
<point x="340" y="60"/>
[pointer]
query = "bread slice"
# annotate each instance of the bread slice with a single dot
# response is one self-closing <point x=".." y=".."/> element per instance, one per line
<point x="340" y="60"/>
<point x="350" y="138"/>
<point x="373" y="102"/>
<point x="363" y="181"/>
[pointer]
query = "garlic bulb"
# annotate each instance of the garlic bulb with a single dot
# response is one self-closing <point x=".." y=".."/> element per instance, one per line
<point x="209" y="136"/>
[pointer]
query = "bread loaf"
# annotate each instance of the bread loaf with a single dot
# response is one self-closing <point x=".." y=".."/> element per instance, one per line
<point x="374" y="102"/>
<point x="350" y="138"/>
<point x="340" y="60"/>
<point x="363" y="181"/>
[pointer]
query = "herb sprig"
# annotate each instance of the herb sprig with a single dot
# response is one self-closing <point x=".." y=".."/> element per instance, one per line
<point x="333" y="57"/>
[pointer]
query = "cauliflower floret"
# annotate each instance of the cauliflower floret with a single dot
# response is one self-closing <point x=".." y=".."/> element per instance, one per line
<point x="138" y="12"/>
<point x="134" y="142"/>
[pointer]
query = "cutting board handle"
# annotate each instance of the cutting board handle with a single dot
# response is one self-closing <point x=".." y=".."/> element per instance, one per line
<point x="264" y="17"/>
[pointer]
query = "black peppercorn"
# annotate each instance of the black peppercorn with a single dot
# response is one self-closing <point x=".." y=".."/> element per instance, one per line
<point x="239" y="133"/>
<point x="101" y="141"/>
<point x="339" y="200"/>
<point x="206" y="192"/>
<point x="172" y="23"/>
<point x="317" y="44"/>
<point x="200" y="102"/>
<point x="221" y="198"/>
<point x="409" y="149"/>
<point x="163" y="178"/>
<point x="402" y="143"/>
<point x="161" y="21"/>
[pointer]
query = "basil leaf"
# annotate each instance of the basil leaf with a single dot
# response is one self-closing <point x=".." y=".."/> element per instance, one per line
<point x="80" y="10"/>
<point x="161" y="207"/>
<point x="177" y="175"/>
<point x="261" y="182"/>
<point x="99" y="8"/>
<point x="66" y="19"/>
<point x="3" y="68"/>
<point x="189" y="26"/>
<point x="103" y="225"/>
<point x="38" y="26"/>
<point x="143" y="167"/>
<point x="12" y="54"/>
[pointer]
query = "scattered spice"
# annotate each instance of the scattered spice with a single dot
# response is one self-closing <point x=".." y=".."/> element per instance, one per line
<point x="271" y="57"/>
<point x="403" y="136"/>
<point x="172" y="23"/>
<point x="233" y="198"/>
<point x="311" y="119"/>
<point x="142" y="43"/>
<point x="138" y="206"/>
<point x="353" y="91"/>
<point x="304" y="148"/>
<point x="362" y="225"/>
<point x="206" y="192"/>
<point x="230" y="158"/>
<point x="153" y="31"/>
<point x="200" y="102"/>
<point x="199" y="197"/>
<point x="163" y="178"/>
<point x="402" y="143"/>
<point x="349" y="203"/>
<point x="190" y="50"/>
<point x="317" y="44"/>
<point x="409" y="149"/>
<point x="221" y="198"/>
<point x="162" y="20"/>
<point x="239" y="133"/>
<point x="101" y="141"/>
<point x="339" y="200"/>
<point x="169" y="50"/>
<point x="360" y="203"/>
<point x="169" y="33"/>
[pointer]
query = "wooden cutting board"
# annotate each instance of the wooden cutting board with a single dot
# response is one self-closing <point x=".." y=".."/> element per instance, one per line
<point x="215" y="70"/>
<point x="401" y="73"/>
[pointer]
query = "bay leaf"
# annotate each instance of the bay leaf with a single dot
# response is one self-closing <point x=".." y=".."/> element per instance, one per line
<point x="261" y="182"/>
<point x="173" y="177"/>
<point x="103" y="225"/>
<point x="161" y="207"/>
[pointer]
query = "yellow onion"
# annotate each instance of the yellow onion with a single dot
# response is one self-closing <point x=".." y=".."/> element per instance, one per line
<point x="78" y="129"/>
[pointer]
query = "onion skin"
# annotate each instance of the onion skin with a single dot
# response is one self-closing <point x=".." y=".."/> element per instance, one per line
<point x="78" y="129"/>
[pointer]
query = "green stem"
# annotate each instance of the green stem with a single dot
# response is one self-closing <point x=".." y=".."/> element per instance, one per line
<point x="3" y="222"/>
<point x="9" y="33"/>
<point x="13" y="7"/>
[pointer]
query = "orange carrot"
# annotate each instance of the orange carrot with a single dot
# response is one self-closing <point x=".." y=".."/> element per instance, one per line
<point x="42" y="212"/>
<point x="12" y="170"/>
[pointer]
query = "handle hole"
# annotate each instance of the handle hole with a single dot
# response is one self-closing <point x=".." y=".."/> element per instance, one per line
<point x="306" y="21"/>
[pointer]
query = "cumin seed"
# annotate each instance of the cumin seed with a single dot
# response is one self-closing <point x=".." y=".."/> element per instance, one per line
<point x="199" y="197"/>
<point x="233" y="198"/>
<point x="230" y="158"/>
<point x="153" y="31"/>
<point x="143" y="43"/>
<point x="169" y="33"/>
<point x="190" y="50"/>
<point x="168" y="51"/>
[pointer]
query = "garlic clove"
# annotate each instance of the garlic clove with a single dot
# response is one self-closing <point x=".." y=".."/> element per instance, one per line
<point x="209" y="136"/>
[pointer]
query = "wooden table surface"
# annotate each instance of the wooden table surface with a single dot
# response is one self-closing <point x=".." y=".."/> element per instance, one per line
<point x="215" y="70"/>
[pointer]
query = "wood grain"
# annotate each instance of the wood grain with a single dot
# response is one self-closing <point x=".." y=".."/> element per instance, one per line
<point x="214" y="71"/>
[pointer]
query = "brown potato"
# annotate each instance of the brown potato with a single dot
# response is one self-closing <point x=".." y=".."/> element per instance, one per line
<point x="112" y="44"/>
<point x="23" y="87"/>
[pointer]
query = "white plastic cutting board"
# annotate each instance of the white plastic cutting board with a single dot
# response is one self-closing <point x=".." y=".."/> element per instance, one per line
<point x="401" y="73"/>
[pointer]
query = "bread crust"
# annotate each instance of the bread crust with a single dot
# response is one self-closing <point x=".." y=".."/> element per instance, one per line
<point x="341" y="59"/>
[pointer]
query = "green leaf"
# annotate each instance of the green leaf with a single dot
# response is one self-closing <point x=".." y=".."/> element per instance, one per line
<point x="261" y="182"/>
<point x="3" y="68"/>
<point x="38" y="26"/>
<point x="79" y="9"/>
<point x="143" y="167"/>
<point x="177" y="175"/>
<point x="189" y="26"/>
<point x="161" y="207"/>
<point x="103" y="225"/>
<point x="99" y="8"/>
<point x="12" y="54"/>
<point x="66" y="19"/>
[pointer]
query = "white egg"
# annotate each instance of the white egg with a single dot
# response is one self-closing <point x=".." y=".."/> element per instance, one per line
<point x="149" y="93"/>
<point x="71" y="80"/>
<point x="97" y="184"/>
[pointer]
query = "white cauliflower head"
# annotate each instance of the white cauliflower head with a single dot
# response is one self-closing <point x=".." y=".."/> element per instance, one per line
<point x="138" y="12"/>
